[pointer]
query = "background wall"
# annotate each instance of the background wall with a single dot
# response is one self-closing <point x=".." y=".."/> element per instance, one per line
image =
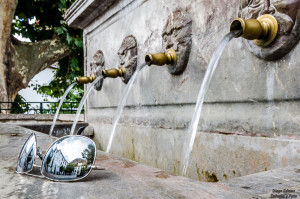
<point x="250" y="117"/>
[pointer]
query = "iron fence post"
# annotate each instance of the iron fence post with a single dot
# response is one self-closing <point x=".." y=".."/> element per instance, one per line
<point x="41" y="107"/>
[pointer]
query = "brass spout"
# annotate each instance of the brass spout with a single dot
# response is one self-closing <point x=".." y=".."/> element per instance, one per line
<point x="169" y="57"/>
<point x="114" y="73"/>
<point x="85" y="79"/>
<point x="262" y="30"/>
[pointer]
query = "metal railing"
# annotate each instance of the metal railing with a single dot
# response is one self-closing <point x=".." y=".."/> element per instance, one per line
<point x="38" y="107"/>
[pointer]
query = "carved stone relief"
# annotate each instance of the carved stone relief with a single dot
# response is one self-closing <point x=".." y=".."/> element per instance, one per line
<point x="177" y="34"/>
<point x="96" y="66"/>
<point x="128" y="56"/>
<point x="287" y="14"/>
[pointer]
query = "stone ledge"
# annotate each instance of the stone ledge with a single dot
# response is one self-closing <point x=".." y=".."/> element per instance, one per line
<point x="280" y="120"/>
<point x="33" y="118"/>
<point x="82" y="12"/>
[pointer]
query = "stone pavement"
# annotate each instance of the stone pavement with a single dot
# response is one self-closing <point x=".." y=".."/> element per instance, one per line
<point x="285" y="183"/>
<point x="127" y="179"/>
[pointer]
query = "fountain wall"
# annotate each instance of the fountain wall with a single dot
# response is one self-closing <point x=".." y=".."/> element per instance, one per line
<point x="250" y="119"/>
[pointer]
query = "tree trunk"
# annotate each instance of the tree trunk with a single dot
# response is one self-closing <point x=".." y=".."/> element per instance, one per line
<point x="21" y="61"/>
<point x="7" y="10"/>
<point x="28" y="59"/>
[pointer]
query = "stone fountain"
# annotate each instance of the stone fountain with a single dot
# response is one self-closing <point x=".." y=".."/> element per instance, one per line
<point x="250" y="119"/>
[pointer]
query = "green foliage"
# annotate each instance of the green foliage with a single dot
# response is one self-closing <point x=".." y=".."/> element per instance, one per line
<point x="61" y="168"/>
<point x="18" y="107"/>
<point x="88" y="154"/>
<point x="69" y="169"/>
<point x="48" y="15"/>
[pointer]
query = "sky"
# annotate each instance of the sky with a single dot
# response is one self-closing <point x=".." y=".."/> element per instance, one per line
<point x="44" y="77"/>
<point x="71" y="147"/>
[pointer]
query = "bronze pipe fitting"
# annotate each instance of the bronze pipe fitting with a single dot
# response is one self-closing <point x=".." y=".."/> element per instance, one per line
<point x="262" y="30"/>
<point x="85" y="79"/>
<point x="160" y="59"/>
<point x="114" y="73"/>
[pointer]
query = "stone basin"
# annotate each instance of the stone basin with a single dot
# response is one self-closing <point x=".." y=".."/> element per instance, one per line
<point x="127" y="179"/>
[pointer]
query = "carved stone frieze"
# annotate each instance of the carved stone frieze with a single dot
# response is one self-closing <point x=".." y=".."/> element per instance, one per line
<point x="287" y="14"/>
<point x="177" y="34"/>
<point x="96" y="66"/>
<point x="128" y="56"/>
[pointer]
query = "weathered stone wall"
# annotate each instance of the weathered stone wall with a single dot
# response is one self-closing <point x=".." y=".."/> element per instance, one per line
<point x="250" y="117"/>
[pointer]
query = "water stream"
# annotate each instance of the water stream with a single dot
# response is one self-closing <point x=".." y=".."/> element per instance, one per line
<point x="59" y="105"/>
<point x="86" y="94"/>
<point x="197" y="111"/>
<point x="121" y="106"/>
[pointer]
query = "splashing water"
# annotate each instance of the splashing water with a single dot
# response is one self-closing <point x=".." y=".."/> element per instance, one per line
<point x="121" y="106"/>
<point x="204" y="86"/>
<point x="59" y="105"/>
<point x="82" y="103"/>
